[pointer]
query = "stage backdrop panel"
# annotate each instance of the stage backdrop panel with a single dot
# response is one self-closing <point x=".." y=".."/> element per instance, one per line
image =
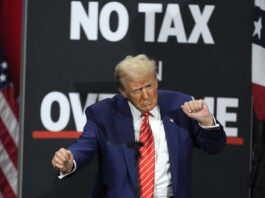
<point x="70" y="49"/>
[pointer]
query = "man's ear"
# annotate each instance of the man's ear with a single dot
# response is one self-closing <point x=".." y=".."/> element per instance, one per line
<point x="123" y="92"/>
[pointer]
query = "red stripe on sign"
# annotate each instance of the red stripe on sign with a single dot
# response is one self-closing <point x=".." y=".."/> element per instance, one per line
<point x="235" y="140"/>
<point x="76" y="134"/>
<point x="5" y="187"/>
<point x="56" y="134"/>
<point x="8" y="143"/>
<point x="9" y="94"/>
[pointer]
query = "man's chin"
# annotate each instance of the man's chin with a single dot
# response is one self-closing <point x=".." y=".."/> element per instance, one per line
<point x="147" y="107"/>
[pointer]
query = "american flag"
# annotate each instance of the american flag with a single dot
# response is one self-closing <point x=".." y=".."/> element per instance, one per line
<point x="258" y="60"/>
<point x="9" y="134"/>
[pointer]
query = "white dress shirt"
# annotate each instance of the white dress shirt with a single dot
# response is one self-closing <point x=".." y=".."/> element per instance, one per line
<point x="163" y="184"/>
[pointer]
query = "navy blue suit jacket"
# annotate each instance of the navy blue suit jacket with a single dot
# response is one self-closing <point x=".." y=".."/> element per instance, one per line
<point x="109" y="128"/>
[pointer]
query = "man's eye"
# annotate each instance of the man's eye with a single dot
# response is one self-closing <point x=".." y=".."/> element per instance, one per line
<point x="148" y="86"/>
<point x="136" y="91"/>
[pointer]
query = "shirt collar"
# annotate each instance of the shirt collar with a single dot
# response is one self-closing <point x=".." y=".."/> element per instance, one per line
<point x="155" y="112"/>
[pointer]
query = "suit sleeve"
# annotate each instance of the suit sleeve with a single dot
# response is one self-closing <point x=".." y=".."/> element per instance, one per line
<point x="88" y="143"/>
<point x="209" y="140"/>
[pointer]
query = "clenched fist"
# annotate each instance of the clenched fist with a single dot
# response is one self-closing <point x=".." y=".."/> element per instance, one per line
<point x="63" y="161"/>
<point x="198" y="110"/>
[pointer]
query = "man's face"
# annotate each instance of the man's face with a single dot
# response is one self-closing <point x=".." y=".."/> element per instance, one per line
<point x="141" y="92"/>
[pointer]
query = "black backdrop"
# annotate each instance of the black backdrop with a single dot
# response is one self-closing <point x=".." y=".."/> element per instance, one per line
<point x="62" y="72"/>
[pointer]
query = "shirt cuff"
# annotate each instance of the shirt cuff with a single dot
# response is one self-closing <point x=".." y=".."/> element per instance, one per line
<point x="62" y="175"/>
<point x="216" y="125"/>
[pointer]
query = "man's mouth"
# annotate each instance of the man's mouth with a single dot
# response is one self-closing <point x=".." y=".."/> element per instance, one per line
<point x="146" y="104"/>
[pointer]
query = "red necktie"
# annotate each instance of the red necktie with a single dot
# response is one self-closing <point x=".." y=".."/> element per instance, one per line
<point x="147" y="161"/>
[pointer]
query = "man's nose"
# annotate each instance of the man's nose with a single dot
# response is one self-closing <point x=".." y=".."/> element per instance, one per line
<point x="144" y="93"/>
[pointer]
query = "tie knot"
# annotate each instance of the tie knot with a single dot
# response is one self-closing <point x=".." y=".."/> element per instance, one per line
<point x="146" y="114"/>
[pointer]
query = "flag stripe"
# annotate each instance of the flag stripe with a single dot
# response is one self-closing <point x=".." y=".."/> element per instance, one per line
<point x="260" y="3"/>
<point x="258" y="101"/>
<point x="8" y="93"/>
<point x="5" y="189"/>
<point x="8" y="143"/>
<point x="8" y="118"/>
<point x="258" y="61"/>
<point x="8" y="168"/>
<point x="9" y="133"/>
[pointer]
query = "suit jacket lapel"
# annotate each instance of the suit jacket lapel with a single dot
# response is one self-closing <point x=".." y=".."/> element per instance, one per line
<point x="171" y="131"/>
<point x="124" y="124"/>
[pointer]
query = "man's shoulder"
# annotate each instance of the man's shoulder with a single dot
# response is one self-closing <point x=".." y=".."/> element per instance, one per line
<point x="173" y="94"/>
<point x="171" y="100"/>
<point x="107" y="101"/>
<point x="106" y="104"/>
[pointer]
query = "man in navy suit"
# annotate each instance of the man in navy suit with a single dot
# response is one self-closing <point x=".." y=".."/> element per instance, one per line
<point x="177" y="124"/>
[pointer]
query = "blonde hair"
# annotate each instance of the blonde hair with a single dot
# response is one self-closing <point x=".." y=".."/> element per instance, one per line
<point x="134" y="67"/>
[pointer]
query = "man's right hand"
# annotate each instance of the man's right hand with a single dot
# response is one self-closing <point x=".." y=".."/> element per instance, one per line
<point x="63" y="161"/>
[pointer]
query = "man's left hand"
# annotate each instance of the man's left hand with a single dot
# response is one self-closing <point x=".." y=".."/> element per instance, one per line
<point x="198" y="110"/>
